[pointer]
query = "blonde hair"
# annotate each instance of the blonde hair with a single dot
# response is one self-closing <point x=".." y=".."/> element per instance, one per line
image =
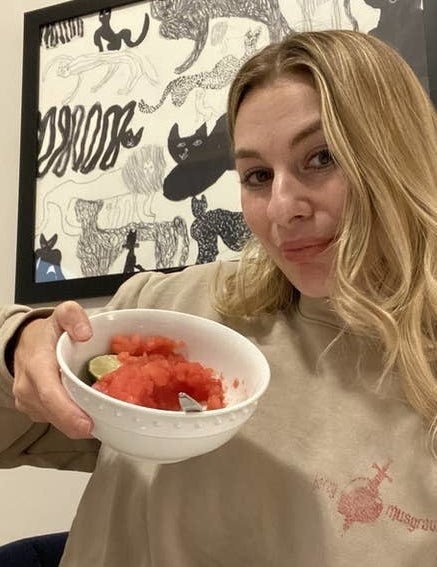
<point x="381" y="128"/>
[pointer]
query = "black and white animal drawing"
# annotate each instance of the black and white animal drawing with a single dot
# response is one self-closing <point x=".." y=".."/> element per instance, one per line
<point x="201" y="159"/>
<point x="208" y="226"/>
<point x="131" y="266"/>
<point x="115" y="39"/>
<point x="132" y="67"/>
<point x="143" y="174"/>
<point x="219" y="77"/>
<point x="97" y="249"/>
<point x="190" y="19"/>
<point x="48" y="260"/>
<point x="128" y="194"/>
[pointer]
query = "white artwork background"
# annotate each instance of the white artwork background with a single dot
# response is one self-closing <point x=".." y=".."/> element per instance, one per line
<point x="76" y="73"/>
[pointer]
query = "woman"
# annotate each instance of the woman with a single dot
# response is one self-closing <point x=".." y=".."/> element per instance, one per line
<point x="335" y="144"/>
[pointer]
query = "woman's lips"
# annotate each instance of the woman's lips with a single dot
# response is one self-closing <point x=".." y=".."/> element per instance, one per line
<point x="303" y="252"/>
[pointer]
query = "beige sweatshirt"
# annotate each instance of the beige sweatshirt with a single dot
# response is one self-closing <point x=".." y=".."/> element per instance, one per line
<point x="326" y="473"/>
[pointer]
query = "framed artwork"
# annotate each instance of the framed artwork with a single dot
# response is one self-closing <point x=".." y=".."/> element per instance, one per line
<point x="125" y="161"/>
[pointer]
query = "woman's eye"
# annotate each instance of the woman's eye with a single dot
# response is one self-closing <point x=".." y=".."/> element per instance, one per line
<point x="321" y="159"/>
<point x="256" y="178"/>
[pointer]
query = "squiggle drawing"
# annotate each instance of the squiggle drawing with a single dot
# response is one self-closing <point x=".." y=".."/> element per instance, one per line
<point x="60" y="33"/>
<point x="88" y="139"/>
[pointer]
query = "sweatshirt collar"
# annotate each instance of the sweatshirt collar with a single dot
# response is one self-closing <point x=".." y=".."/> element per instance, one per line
<point x="318" y="309"/>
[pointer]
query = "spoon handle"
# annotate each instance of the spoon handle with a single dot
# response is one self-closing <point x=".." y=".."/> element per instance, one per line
<point x="189" y="404"/>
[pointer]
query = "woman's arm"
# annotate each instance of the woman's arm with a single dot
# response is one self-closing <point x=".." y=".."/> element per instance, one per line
<point x="33" y="399"/>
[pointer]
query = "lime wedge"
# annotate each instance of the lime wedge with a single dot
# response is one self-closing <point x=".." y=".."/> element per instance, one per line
<point x="101" y="365"/>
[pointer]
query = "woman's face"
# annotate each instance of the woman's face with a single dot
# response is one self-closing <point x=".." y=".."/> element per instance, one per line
<point x="292" y="193"/>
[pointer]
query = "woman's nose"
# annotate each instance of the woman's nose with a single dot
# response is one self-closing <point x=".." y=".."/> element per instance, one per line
<point x="289" y="201"/>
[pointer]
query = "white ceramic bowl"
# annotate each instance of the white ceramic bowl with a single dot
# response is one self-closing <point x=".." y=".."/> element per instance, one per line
<point x="161" y="435"/>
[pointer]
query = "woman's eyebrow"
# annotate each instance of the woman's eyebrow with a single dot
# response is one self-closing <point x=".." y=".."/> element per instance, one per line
<point x="312" y="128"/>
<point x="244" y="153"/>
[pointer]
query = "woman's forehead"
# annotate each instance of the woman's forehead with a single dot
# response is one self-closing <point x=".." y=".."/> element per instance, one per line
<point x="293" y="104"/>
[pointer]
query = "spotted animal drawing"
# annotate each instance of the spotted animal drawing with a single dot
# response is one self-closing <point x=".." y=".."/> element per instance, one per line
<point x="209" y="226"/>
<point x="220" y="76"/>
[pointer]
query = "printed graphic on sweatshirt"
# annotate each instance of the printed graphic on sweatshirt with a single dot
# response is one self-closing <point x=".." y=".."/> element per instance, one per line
<point x="360" y="502"/>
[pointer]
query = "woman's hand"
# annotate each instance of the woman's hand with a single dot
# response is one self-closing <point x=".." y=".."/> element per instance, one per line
<point x="37" y="386"/>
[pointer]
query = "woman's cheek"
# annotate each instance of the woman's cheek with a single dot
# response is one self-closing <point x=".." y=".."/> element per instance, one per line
<point x="252" y="212"/>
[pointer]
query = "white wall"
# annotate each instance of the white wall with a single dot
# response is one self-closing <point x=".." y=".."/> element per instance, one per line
<point x="33" y="501"/>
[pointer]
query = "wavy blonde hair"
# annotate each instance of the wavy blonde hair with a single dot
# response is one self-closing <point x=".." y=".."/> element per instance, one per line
<point x="381" y="128"/>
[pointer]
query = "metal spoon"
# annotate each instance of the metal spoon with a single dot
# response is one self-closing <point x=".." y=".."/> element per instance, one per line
<point x="189" y="404"/>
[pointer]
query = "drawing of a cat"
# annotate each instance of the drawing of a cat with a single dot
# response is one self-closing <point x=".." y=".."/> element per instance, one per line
<point x="201" y="159"/>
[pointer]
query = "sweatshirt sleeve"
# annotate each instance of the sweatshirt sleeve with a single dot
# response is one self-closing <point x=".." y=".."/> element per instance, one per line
<point x="23" y="442"/>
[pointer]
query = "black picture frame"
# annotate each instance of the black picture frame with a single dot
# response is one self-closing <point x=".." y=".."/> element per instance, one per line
<point x="175" y="247"/>
<point x="27" y="289"/>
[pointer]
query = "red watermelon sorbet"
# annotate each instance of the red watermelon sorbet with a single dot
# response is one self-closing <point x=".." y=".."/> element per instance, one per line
<point x="153" y="371"/>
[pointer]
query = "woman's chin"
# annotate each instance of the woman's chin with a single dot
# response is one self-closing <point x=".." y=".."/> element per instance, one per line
<point x="311" y="281"/>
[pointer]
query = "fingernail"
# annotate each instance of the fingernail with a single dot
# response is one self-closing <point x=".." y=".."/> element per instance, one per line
<point x="82" y="331"/>
<point x="85" y="425"/>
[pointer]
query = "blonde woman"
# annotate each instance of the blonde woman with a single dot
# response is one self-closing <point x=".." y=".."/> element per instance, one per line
<point x="335" y="144"/>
